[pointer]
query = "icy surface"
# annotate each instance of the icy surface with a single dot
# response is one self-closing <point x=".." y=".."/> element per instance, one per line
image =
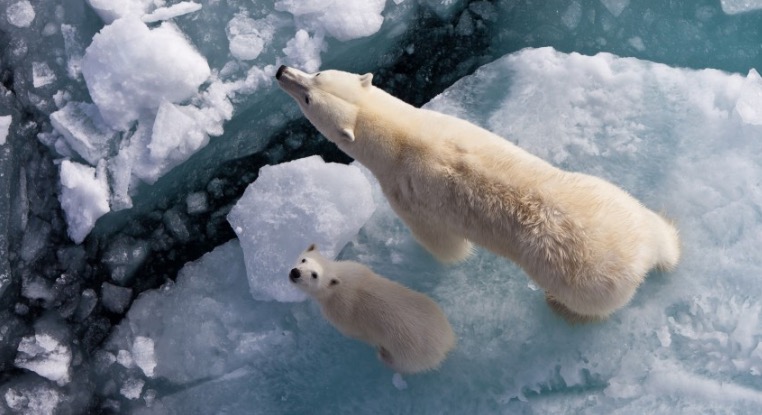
<point x="291" y="206"/>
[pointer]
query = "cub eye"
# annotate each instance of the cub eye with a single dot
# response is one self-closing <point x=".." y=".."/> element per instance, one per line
<point x="314" y="275"/>
<point x="303" y="260"/>
<point x="307" y="99"/>
<point x="317" y="74"/>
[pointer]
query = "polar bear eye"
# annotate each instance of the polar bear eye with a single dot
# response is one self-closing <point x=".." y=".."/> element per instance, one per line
<point x="304" y="260"/>
<point x="314" y="275"/>
<point x="307" y="99"/>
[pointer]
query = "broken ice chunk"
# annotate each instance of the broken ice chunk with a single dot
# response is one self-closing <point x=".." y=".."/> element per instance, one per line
<point x="42" y="74"/>
<point x="20" y="14"/>
<point x="84" y="197"/>
<point x="46" y="356"/>
<point x="115" y="298"/>
<point x="84" y="130"/>
<point x="131" y="69"/>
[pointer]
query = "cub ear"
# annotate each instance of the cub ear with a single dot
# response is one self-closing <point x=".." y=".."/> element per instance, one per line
<point x="348" y="134"/>
<point x="366" y="80"/>
<point x="333" y="282"/>
<point x="311" y="248"/>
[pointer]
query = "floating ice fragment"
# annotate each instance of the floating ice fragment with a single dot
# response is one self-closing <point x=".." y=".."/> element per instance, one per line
<point x="572" y="16"/>
<point x="123" y="257"/>
<point x="39" y="400"/>
<point x="130" y="69"/>
<point x="84" y="197"/>
<point x="45" y="356"/>
<point x="740" y="6"/>
<point x="42" y="74"/>
<point x="248" y="37"/>
<point x="399" y="382"/>
<point x="196" y="203"/>
<point x="616" y="7"/>
<point x="115" y="298"/>
<point x="132" y="388"/>
<point x="170" y="12"/>
<point x="343" y="20"/>
<point x="290" y="206"/>
<point x="303" y="51"/>
<point x="5" y="126"/>
<point x="20" y="14"/>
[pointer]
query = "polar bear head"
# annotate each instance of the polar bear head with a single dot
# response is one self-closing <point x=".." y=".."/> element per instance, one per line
<point x="329" y="99"/>
<point x="311" y="273"/>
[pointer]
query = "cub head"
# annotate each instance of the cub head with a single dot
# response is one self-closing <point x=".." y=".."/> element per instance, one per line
<point x="310" y="273"/>
<point x="329" y="99"/>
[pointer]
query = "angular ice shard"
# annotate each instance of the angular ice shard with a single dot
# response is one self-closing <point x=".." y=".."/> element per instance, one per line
<point x="290" y="206"/>
<point x="84" y="197"/>
<point x="131" y="69"/>
<point x="170" y="12"/>
<point x="46" y="356"/>
<point x="84" y="130"/>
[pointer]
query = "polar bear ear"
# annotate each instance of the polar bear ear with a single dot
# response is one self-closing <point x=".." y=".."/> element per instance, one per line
<point x="311" y="248"/>
<point x="348" y="134"/>
<point x="366" y="79"/>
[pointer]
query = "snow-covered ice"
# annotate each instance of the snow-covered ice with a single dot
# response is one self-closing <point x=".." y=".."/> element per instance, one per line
<point x="291" y="206"/>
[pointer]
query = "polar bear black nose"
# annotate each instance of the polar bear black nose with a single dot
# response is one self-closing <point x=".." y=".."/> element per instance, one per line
<point x="280" y="71"/>
<point x="294" y="274"/>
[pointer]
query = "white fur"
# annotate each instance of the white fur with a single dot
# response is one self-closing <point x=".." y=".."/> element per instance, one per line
<point x="586" y="242"/>
<point x="408" y="329"/>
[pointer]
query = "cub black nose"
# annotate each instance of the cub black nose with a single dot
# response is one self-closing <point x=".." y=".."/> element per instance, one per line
<point x="280" y="71"/>
<point x="294" y="274"/>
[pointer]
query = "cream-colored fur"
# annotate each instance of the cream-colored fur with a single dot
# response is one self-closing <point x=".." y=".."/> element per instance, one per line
<point x="586" y="242"/>
<point x="409" y="330"/>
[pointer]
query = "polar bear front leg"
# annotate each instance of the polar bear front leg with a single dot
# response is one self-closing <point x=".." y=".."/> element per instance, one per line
<point x="447" y="246"/>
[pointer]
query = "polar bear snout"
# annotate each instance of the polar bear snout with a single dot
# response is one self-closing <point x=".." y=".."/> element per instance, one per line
<point x="294" y="275"/>
<point x="280" y="71"/>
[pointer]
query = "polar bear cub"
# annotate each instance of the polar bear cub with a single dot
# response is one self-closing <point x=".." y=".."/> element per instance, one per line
<point x="586" y="242"/>
<point x="408" y="329"/>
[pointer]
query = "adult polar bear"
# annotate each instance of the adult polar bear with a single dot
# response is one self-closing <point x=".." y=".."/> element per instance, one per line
<point x="586" y="242"/>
